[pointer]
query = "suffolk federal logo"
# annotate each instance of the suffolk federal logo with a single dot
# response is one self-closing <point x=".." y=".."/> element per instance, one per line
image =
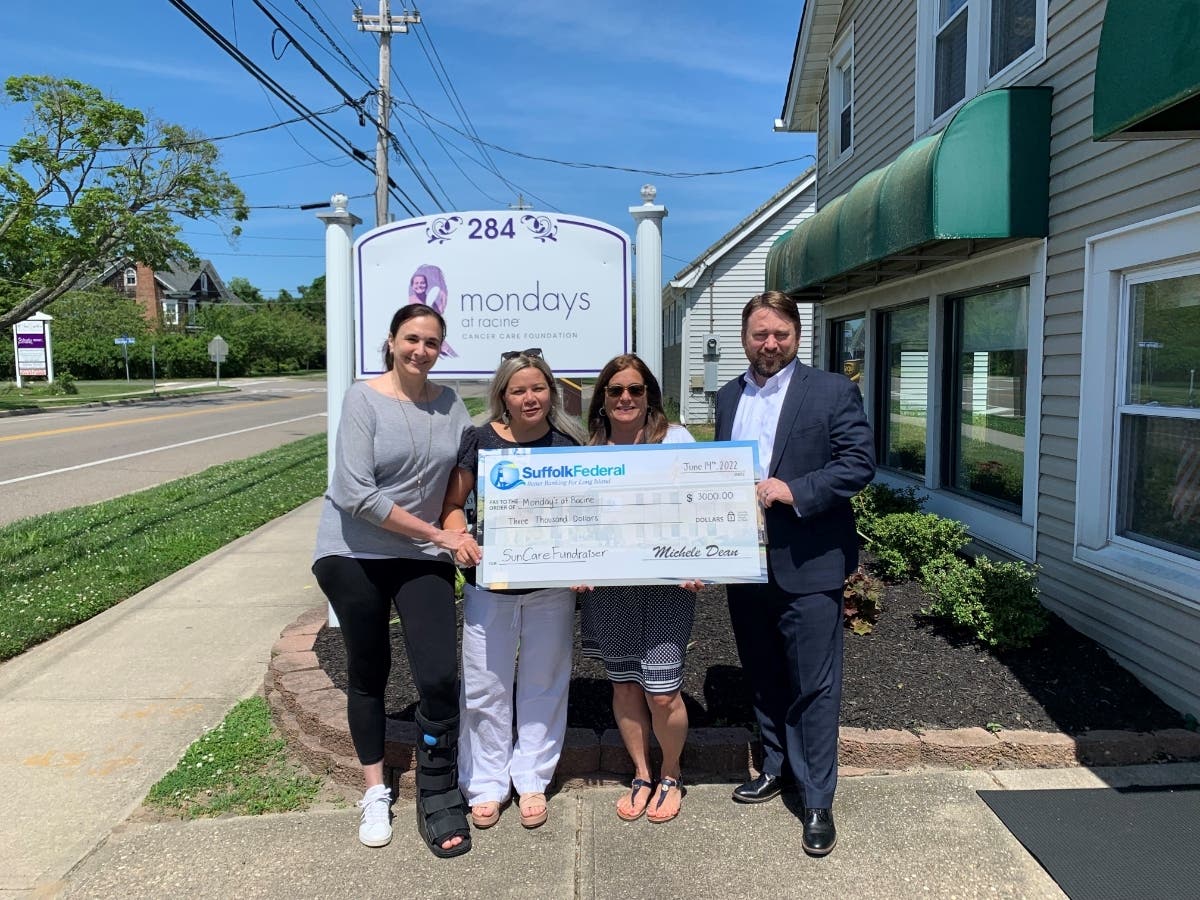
<point x="507" y="475"/>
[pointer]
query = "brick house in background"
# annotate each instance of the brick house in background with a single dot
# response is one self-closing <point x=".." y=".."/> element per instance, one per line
<point x="168" y="296"/>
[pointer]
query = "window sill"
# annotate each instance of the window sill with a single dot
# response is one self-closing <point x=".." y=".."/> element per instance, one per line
<point x="1002" y="530"/>
<point x="836" y="162"/>
<point x="1174" y="577"/>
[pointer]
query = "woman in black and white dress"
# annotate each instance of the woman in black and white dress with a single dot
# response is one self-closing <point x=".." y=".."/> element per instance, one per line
<point x="641" y="632"/>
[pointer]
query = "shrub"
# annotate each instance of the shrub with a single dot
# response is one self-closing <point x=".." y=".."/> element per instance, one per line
<point x="997" y="602"/>
<point x="863" y="593"/>
<point x="903" y="543"/>
<point x="66" y="381"/>
<point x="878" y="500"/>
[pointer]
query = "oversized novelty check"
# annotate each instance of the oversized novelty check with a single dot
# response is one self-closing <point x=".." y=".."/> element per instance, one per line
<point x="644" y="514"/>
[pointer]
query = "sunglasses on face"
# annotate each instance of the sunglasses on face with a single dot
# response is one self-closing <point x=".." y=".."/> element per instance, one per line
<point x="513" y="354"/>
<point x="616" y="390"/>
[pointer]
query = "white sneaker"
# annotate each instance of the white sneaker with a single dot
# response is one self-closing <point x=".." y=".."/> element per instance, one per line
<point x="375" y="826"/>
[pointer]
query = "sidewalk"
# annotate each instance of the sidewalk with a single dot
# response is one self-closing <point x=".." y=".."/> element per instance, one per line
<point x="94" y="717"/>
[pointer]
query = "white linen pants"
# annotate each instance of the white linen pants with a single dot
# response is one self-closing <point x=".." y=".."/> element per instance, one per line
<point x="539" y="626"/>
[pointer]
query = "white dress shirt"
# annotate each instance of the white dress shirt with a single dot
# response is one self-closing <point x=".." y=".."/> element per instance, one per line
<point x="757" y="417"/>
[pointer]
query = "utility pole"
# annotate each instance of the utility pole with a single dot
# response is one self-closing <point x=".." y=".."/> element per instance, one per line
<point x="520" y="204"/>
<point x="385" y="24"/>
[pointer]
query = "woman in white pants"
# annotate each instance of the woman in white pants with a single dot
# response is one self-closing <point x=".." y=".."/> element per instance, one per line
<point x="499" y="626"/>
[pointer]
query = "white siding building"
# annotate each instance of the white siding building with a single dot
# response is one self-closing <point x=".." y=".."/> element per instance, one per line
<point x="1022" y="266"/>
<point x="705" y="299"/>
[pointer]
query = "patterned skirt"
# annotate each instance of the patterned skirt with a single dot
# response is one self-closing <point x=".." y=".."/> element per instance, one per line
<point x="641" y="632"/>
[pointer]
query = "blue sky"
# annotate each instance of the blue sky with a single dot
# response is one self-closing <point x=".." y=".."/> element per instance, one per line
<point x="668" y="86"/>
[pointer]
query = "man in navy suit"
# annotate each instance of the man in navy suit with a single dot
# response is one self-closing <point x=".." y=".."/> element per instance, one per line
<point x="815" y="452"/>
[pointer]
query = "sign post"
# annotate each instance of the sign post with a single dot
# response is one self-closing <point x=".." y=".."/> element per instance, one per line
<point x="31" y="348"/>
<point x="217" y="351"/>
<point x="125" y="340"/>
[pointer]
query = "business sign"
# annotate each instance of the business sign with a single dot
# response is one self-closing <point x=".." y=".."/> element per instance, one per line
<point x="31" y="347"/>
<point x="506" y="280"/>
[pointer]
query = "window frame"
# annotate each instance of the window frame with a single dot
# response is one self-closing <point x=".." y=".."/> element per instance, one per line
<point x="131" y="276"/>
<point x="952" y="310"/>
<point x="979" y="24"/>
<point x="842" y="53"/>
<point x="1011" y="532"/>
<point x="1113" y="261"/>
<point x="881" y="319"/>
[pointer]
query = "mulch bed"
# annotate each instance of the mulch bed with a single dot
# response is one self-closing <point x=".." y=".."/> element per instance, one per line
<point x="910" y="673"/>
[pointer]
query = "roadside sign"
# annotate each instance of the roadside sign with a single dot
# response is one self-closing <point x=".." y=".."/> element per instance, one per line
<point x="124" y="339"/>
<point x="217" y="351"/>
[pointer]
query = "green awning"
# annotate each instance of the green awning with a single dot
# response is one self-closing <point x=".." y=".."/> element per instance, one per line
<point x="1148" y="71"/>
<point x="984" y="176"/>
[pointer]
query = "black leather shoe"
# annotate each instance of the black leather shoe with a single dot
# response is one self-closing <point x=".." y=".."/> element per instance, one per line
<point x="763" y="788"/>
<point x="820" y="836"/>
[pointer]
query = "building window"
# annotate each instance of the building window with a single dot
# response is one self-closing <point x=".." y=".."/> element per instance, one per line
<point x="204" y="283"/>
<point x="131" y="277"/>
<point x="1013" y="32"/>
<point x="1138" y="480"/>
<point x="841" y="97"/>
<point x="987" y="374"/>
<point x="950" y="54"/>
<point x="965" y="47"/>
<point x="170" y="312"/>
<point x="847" y="342"/>
<point x="1158" y="430"/>
<point x="904" y="396"/>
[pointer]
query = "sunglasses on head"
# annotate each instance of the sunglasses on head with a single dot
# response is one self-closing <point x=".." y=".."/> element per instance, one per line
<point x="616" y="390"/>
<point x="513" y="354"/>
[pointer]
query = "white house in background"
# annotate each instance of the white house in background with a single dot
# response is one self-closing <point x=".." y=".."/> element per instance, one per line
<point x="1008" y="223"/>
<point x="704" y="302"/>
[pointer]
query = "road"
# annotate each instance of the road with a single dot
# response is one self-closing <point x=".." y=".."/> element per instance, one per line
<point x="58" y="460"/>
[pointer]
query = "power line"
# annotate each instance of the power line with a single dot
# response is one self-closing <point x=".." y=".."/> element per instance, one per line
<point x="208" y="140"/>
<point x="331" y="134"/>
<point x="613" y="168"/>
<point x="357" y="104"/>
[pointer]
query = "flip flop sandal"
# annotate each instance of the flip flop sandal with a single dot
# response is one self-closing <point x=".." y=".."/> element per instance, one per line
<point x="665" y="786"/>
<point x="530" y="800"/>
<point x="486" y="814"/>
<point x="635" y="786"/>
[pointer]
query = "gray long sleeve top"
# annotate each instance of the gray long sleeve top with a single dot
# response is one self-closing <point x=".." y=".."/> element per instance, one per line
<point x="384" y="447"/>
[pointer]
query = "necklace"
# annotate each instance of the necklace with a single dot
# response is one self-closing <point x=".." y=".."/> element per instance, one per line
<point x="421" y="466"/>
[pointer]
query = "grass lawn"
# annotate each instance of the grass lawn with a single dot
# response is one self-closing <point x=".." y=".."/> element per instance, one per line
<point x="59" y="569"/>
<point x="238" y="768"/>
<point x="42" y="396"/>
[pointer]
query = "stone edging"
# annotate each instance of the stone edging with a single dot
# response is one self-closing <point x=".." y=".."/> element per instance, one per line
<point x="311" y="713"/>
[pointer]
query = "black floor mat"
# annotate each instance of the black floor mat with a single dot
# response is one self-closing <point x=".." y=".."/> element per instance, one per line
<point x="1101" y="843"/>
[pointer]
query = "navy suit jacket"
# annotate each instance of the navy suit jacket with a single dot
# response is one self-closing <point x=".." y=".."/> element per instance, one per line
<point x="825" y="452"/>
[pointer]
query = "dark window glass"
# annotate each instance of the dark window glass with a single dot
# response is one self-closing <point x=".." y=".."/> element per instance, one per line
<point x="848" y="342"/>
<point x="904" y="398"/>
<point x="950" y="75"/>
<point x="989" y="334"/>
<point x="1014" y="26"/>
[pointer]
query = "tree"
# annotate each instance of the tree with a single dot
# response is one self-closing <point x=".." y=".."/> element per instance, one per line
<point x="85" y="324"/>
<point x="92" y="182"/>
<point x="244" y="290"/>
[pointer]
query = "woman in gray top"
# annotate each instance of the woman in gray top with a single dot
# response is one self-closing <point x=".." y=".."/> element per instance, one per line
<point x="379" y="545"/>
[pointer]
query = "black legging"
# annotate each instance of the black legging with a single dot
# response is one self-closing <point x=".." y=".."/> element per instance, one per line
<point x="361" y="592"/>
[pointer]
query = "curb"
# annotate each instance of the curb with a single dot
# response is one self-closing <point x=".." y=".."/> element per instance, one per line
<point x="311" y="713"/>
<point x="95" y="404"/>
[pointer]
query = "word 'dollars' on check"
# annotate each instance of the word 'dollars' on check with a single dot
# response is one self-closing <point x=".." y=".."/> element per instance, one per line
<point x="644" y="514"/>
